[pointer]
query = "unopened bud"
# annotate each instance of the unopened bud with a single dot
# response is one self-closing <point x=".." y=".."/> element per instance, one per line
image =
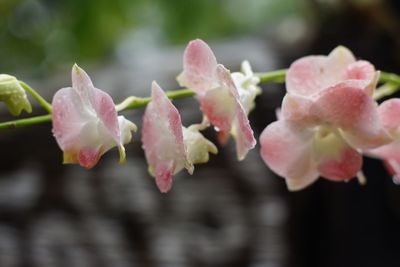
<point x="13" y="95"/>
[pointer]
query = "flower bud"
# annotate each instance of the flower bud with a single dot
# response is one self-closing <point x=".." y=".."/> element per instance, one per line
<point x="13" y="95"/>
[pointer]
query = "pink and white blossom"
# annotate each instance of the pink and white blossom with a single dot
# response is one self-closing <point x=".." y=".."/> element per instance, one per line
<point x="218" y="95"/>
<point x="162" y="139"/>
<point x="328" y="115"/>
<point x="169" y="147"/>
<point x="85" y="122"/>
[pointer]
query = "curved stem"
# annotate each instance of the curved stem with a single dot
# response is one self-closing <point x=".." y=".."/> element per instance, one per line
<point x="36" y="95"/>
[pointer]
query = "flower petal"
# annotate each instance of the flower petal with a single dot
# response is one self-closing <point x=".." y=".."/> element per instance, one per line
<point x="287" y="151"/>
<point x="240" y="127"/>
<point x="199" y="67"/>
<point x="81" y="80"/>
<point x="336" y="160"/>
<point x="126" y="128"/>
<point x="389" y="116"/>
<point x="296" y="109"/>
<point x="162" y="139"/>
<point x="390" y="153"/>
<point x="303" y="181"/>
<point x="197" y="146"/>
<point x="311" y="74"/>
<point x="347" y="106"/>
<point x="247" y="85"/>
<point x="363" y="71"/>
<point x="219" y="106"/>
<point x="164" y="171"/>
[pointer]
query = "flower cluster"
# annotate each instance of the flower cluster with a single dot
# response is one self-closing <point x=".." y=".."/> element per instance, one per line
<point x="328" y="119"/>
<point x="86" y="125"/>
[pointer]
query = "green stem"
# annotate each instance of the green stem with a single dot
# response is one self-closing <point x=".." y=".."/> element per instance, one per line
<point x="386" y="77"/>
<point x="25" y="122"/>
<point x="36" y="95"/>
<point x="134" y="102"/>
<point x="391" y="81"/>
<point x="391" y="84"/>
<point x="276" y="76"/>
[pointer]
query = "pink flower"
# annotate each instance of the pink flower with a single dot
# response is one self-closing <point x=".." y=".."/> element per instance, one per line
<point x="85" y="122"/>
<point x="169" y="147"/>
<point x="328" y="114"/>
<point x="162" y="139"/>
<point x="218" y="95"/>
<point x="389" y="115"/>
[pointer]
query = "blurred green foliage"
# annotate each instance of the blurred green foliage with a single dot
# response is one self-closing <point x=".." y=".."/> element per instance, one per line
<point x="44" y="34"/>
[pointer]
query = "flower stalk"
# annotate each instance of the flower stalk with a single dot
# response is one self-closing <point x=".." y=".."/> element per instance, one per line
<point x="46" y="105"/>
<point x="390" y="81"/>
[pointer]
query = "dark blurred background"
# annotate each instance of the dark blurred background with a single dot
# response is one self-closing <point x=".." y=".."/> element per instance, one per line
<point x="227" y="214"/>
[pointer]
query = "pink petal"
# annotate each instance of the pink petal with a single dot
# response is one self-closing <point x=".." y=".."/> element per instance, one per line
<point x="242" y="131"/>
<point x="348" y="107"/>
<point x="299" y="183"/>
<point x="309" y="75"/>
<point x="162" y="139"/>
<point x="82" y="83"/>
<point x="199" y="66"/>
<point x="163" y="173"/>
<point x="389" y="115"/>
<point x="106" y="112"/>
<point x="243" y="135"/>
<point x="88" y="157"/>
<point x="296" y="109"/>
<point x="68" y="117"/>
<point x="389" y="120"/>
<point x="287" y="151"/>
<point x="219" y="106"/>
<point x="363" y="71"/>
<point x="343" y="168"/>
<point x="391" y="155"/>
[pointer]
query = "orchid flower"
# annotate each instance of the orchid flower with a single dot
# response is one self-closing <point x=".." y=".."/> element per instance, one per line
<point x="328" y="114"/>
<point x="162" y="139"/>
<point x="85" y="122"/>
<point x="169" y="147"/>
<point x="218" y="96"/>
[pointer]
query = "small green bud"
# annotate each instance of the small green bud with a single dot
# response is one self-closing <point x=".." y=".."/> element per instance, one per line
<point x="13" y="95"/>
